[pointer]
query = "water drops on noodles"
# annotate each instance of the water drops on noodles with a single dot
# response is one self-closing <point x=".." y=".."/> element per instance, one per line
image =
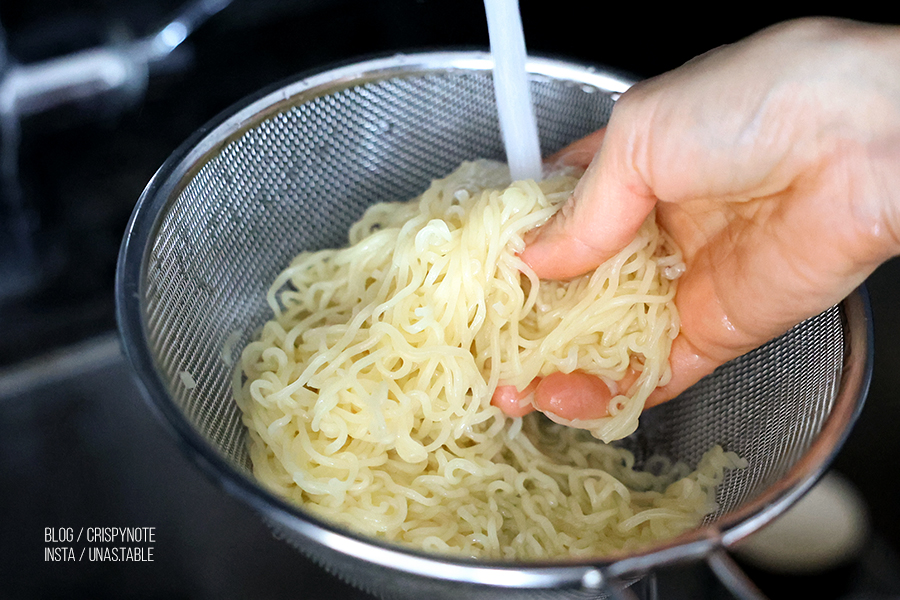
<point x="368" y="395"/>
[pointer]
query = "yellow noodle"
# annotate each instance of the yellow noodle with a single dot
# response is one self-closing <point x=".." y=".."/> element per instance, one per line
<point x="367" y="396"/>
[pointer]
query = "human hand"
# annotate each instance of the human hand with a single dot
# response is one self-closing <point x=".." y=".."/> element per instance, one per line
<point x="772" y="162"/>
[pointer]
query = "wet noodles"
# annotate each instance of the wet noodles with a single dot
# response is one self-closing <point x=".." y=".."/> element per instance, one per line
<point x="367" y="396"/>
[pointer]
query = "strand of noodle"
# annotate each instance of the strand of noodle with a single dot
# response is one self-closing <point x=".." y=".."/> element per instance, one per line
<point x="372" y="407"/>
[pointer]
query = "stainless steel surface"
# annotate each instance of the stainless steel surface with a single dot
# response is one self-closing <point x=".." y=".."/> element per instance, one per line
<point x="113" y="77"/>
<point x="121" y="69"/>
<point x="78" y="449"/>
<point x="291" y="169"/>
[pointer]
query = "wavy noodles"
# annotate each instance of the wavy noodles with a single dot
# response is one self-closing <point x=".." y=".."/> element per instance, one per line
<point x="367" y="396"/>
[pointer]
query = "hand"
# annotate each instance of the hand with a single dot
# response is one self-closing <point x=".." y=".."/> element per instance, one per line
<point x="775" y="165"/>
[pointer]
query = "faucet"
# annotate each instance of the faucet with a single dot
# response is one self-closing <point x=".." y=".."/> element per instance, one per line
<point x="116" y="72"/>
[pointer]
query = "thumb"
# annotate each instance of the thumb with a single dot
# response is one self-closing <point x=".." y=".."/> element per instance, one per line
<point x="601" y="217"/>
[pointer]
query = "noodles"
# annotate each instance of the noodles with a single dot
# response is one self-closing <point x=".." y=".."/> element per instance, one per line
<point x="368" y="395"/>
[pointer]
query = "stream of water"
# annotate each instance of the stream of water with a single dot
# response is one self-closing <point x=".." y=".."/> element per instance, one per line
<point x="514" y="105"/>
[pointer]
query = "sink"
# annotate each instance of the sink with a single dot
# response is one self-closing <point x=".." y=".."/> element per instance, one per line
<point x="80" y="450"/>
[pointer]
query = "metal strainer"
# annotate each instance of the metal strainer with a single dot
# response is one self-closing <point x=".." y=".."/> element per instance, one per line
<point x="292" y="168"/>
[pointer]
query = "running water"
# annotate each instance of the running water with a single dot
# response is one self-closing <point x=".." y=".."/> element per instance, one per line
<point x="516" y="112"/>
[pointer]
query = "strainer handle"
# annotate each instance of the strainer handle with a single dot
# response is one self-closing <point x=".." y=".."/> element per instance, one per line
<point x="732" y="576"/>
<point x="616" y="589"/>
<point x="728" y="572"/>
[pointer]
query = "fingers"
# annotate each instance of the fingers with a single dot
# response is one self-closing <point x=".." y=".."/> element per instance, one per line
<point x="579" y="153"/>
<point x="758" y="156"/>
<point x="578" y="396"/>
<point x="573" y="396"/>
<point x="601" y="217"/>
<point x="514" y="403"/>
<point x="689" y="366"/>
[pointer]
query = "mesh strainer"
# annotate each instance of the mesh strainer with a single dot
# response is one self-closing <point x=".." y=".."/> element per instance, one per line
<point x="291" y="169"/>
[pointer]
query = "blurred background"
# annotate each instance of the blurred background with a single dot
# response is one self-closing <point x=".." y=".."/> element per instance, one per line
<point x="94" y="95"/>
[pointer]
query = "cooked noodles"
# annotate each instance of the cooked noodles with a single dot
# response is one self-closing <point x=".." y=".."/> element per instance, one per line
<point x="368" y="395"/>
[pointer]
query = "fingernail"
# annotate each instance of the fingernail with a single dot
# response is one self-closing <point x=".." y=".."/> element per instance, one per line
<point x="575" y="158"/>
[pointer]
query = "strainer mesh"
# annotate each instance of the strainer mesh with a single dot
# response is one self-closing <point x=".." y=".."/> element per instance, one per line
<point x="298" y="179"/>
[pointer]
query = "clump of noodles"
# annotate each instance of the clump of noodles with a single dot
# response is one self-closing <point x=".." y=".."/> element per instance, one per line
<point x="367" y="396"/>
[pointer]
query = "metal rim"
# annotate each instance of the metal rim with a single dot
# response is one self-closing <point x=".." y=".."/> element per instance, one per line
<point x="194" y="153"/>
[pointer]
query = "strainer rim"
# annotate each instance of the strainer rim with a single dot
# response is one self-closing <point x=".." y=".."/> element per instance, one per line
<point x="132" y="265"/>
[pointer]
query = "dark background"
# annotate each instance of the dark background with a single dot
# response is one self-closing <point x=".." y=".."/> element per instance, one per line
<point x="78" y="448"/>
